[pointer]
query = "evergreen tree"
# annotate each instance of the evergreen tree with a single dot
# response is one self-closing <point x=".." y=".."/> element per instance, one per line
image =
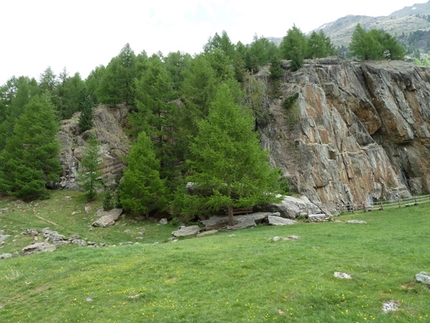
<point x="87" y="114"/>
<point x="88" y="176"/>
<point x="374" y="44"/>
<point x="294" y="47"/>
<point x="30" y="158"/>
<point x="117" y="84"/>
<point x="142" y="190"/>
<point x="155" y="113"/>
<point x="228" y="167"/>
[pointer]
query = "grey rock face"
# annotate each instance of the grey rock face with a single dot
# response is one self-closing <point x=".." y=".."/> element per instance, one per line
<point x="114" y="144"/>
<point x="358" y="131"/>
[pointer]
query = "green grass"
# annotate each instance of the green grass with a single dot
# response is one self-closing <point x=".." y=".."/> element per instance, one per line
<point x="236" y="276"/>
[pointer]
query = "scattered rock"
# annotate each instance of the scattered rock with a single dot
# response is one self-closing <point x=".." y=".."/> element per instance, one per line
<point x="277" y="220"/>
<point x="356" y="222"/>
<point x="6" y="256"/>
<point x="163" y="221"/>
<point x="276" y="238"/>
<point x="390" y="306"/>
<point x="127" y="231"/>
<point x="4" y="210"/>
<point x="186" y="231"/>
<point x="56" y="238"/>
<point x="38" y="247"/>
<point x="4" y="237"/>
<point x="87" y="209"/>
<point x="423" y="277"/>
<point x="107" y="218"/>
<point x="342" y="275"/>
<point x="88" y="299"/>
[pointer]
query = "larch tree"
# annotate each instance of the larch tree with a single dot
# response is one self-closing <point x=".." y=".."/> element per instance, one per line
<point x="229" y="169"/>
<point x="142" y="190"/>
<point x="30" y="158"/>
<point x="89" y="173"/>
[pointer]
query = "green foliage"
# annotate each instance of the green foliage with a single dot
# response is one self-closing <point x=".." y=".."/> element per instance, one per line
<point x="117" y="84"/>
<point x="87" y="114"/>
<point x="292" y="109"/>
<point x="227" y="160"/>
<point x="142" y="190"/>
<point x="30" y="158"/>
<point x="69" y="90"/>
<point x="319" y="45"/>
<point x="375" y="44"/>
<point x="89" y="174"/>
<point x="294" y="47"/>
<point x="108" y="201"/>
<point x="255" y="90"/>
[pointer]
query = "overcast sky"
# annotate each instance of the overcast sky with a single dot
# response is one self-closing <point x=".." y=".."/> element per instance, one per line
<point x="82" y="34"/>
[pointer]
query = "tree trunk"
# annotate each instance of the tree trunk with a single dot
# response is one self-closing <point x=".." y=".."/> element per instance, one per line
<point x="230" y="216"/>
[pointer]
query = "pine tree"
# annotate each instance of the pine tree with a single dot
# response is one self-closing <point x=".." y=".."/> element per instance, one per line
<point x="88" y="176"/>
<point x="228" y="166"/>
<point x="142" y="190"/>
<point x="87" y="114"/>
<point x="30" y="158"/>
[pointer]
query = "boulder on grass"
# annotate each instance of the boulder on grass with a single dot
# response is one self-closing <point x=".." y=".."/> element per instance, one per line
<point x="186" y="231"/>
<point x="277" y="220"/>
<point x="107" y="218"/>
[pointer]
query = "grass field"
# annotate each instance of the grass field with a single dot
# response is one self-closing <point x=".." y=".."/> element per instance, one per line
<point x="240" y="276"/>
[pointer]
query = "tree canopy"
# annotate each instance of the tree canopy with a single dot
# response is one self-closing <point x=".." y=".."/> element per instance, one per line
<point x="227" y="161"/>
<point x="374" y="44"/>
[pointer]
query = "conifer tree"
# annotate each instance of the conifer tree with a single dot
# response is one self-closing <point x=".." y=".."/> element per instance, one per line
<point x="142" y="190"/>
<point x="89" y="174"/>
<point x="30" y="158"/>
<point x="228" y="166"/>
<point x="87" y="114"/>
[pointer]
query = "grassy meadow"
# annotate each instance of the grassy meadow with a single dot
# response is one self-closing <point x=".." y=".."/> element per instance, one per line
<point x="234" y="276"/>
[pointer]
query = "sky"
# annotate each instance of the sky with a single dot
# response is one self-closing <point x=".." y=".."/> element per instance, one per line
<point x="80" y="35"/>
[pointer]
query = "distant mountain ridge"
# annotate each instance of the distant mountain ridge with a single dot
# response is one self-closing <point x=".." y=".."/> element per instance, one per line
<point x="409" y="25"/>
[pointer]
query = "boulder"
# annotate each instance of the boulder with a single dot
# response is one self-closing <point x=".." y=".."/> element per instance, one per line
<point x="38" y="247"/>
<point x="317" y="217"/>
<point x="277" y="220"/>
<point x="55" y="238"/>
<point x="107" y="218"/>
<point x="292" y="207"/>
<point x="186" y="231"/>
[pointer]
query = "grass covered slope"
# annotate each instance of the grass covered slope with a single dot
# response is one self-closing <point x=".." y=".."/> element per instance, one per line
<point x="239" y="276"/>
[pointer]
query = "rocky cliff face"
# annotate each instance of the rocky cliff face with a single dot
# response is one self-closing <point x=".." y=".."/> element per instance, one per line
<point x="114" y="145"/>
<point x="357" y="132"/>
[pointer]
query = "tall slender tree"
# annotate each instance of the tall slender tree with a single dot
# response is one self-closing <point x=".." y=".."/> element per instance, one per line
<point x="142" y="190"/>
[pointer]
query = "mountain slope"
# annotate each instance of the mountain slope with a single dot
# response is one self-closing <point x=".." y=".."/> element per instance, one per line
<point x="401" y="24"/>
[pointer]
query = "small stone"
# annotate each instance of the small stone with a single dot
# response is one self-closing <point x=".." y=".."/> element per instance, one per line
<point x="356" y="222"/>
<point x="293" y="237"/>
<point x="163" y="221"/>
<point x="89" y="299"/>
<point x="275" y="239"/>
<point x="390" y="306"/>
<point x="423" y="277"/>
<point x="127" y="231"/>
<point x="342" y="275"/>
<point x="6" y="256"/>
